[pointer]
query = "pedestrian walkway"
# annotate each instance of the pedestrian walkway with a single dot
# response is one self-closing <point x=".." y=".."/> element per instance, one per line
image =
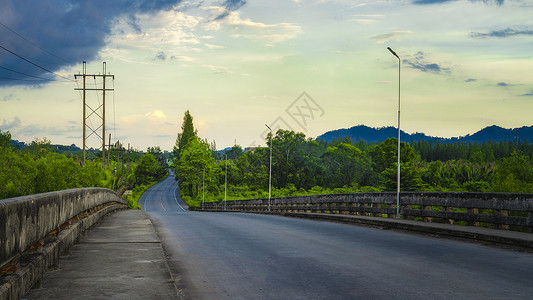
<point x="120" y="258"/>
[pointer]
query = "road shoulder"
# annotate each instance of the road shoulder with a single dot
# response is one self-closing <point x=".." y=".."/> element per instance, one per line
<point x="120" y="258"/>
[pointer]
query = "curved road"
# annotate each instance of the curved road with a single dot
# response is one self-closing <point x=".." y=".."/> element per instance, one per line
<point x="248" y="256"/>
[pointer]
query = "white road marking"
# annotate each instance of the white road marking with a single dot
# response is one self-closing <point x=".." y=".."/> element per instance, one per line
<point x="177" y="199"/>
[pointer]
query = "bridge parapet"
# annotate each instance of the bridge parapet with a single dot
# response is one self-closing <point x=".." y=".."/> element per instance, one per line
<point x="495" y="210"/>
<point x="27" y="220"/>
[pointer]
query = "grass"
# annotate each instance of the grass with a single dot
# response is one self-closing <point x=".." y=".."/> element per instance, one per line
<point x="137" y="193"/>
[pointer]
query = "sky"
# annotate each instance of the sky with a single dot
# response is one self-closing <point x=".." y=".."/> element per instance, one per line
<point x="305" y="65"/>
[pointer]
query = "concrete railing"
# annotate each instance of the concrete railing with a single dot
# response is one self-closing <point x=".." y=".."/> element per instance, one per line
<point x="27" y="220"/>
<point x="496" y="210"/>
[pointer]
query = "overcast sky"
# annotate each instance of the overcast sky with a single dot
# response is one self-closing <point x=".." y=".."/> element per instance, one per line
<point x="307" y="65"/>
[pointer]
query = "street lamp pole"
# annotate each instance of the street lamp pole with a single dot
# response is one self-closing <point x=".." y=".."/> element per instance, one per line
<point x="203" y="189"/>
<point x="270" y="171"/>
<point x="226" y="182"/>
<point x="398" y="184"/>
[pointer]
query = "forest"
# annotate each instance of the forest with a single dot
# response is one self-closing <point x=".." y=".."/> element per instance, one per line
<point x="304" y="166"/>
<point x="38" y="169"/>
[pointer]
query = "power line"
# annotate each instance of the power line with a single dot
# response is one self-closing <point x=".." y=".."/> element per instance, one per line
<point x="38" y="66"/>
<point x="14" y="71"/>
<point x="18" y="79"/>
<point x="13" y="31"/>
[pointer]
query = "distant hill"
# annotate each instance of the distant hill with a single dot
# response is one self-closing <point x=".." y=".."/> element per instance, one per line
<point x="378" y="135"/>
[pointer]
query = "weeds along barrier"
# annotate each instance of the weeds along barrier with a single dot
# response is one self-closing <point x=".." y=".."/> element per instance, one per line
<point x="493" y="210"/>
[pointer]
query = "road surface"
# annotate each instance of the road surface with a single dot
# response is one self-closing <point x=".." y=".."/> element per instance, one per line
<point x="248" y="256"/>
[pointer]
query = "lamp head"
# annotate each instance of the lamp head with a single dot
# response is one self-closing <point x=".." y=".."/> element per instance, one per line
<point x="393" y="53"/>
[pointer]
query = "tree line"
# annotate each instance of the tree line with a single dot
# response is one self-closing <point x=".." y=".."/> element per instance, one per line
<point x="302" y="166"/>
<point x="39" y="169"/>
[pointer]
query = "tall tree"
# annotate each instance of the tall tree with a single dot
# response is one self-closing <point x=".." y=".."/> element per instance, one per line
<point x="194" y="160"/>
<point x="187" y="132"/>
<point x="5" y="138"/>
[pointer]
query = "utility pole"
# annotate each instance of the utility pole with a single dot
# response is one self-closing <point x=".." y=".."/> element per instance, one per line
<point x="94" y="111"/>
<point x="117" y="146"/>
<point x="109" y="150"/>
<point x="226" y="182"/>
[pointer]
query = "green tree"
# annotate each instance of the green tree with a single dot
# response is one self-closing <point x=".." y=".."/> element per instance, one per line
<point x="410" y="178"/>
<point x="5" y="138"/>
<point x="253" y="166"/>
<point x="385" y="159"/>
<point x="385" y="154"/>
<point x="346" y="165"/>
<point x="287" y="156"/>
<point x="187" y="132"/>
<point x="194" y="159"/>
<point x="234" y="153"/>
<point x="514" y="174"/>
<point x="148" y="170"/>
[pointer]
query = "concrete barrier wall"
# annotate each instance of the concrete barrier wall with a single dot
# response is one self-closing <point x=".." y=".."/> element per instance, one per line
<point x="502" y="210"/>
<point x="27" y="220"/>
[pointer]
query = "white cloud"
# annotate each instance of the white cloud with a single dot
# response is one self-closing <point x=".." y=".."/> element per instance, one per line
<point x="10" y="125"/>
<point x="394" y="36"/>
<point x="156" y="117"/>
<point x="164" y="29"/>
<point x="211" y="46"/>
<point x="246" y="28"/>
<point x="156" y="114"/>
<point x="366" y="19"/>
<point x="218" y="69"/>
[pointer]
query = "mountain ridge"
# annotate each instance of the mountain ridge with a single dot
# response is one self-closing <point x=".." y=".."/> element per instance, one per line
<point x="368" y="134"/>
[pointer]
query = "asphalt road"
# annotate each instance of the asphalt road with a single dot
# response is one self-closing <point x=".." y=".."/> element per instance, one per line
<point x="247" y="256"/>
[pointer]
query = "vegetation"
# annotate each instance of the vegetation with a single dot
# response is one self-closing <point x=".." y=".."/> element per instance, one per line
<point x="300" y="166"/>
<point x="38" y="169"/>
<point x="303" y="166"/>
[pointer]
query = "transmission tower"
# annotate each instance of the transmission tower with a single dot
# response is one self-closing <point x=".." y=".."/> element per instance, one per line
<point x="97" y="111"/>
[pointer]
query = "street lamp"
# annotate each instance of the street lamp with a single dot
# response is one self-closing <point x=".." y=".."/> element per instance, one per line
<point x="226" y="182"/>
<point x="270" y="171"/>
<point x="203" y="189"/>
<point x="398" y="188"/>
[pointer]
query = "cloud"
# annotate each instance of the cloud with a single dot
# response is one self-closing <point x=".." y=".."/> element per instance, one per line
<point x="505" y="84"/>
<point x="161" y="56"/>
<point x="246" y="28"/>
<point x="424" y="2"/>
<point x="218" y="69"/>
<point x="156" y="114"/>
<point x="10" y="125"/>
<point x="504" y="33"/>
<point x="156" y="118"/>
<point x="9" y="97"/>
<point x="60" y="34"/>
<point x="527" y="94"/>
<point x="366" y="19"/>
<point x="213" y="47"/>
<point x="229" y="6"/>
<point x="70" y="31"/>
<point x="470" y="80"/>
<point x="182" y="58"/>
<point x="391" y="36"/>
<point x="419" y="62"/>
<point x="429" y="2"/>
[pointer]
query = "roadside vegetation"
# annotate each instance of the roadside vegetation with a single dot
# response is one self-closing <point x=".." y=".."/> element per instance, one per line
<point x="303" y="166"/>
<point x="39" y="169"/>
